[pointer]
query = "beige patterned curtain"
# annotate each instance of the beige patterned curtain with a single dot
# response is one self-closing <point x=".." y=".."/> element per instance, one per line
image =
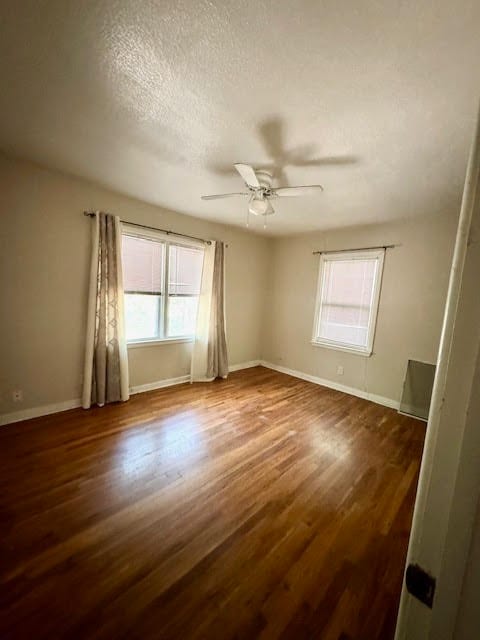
<point x="217" y="358"/>
<point x="106" y="365"/>
<point x="209" y="355"/>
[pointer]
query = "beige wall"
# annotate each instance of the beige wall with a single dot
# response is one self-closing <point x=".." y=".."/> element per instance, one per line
<point x="271" y="283"/>
<point x="44" y="261"/>
<point x="411" y="306"/>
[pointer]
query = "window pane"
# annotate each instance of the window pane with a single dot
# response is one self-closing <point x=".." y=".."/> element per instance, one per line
<point x="346" y="300"/>
<point x="143" y="262"/>
<point x="349" y="282"/>
<point x="182" y="315"/>
<point x="184" y="277"/>
<point x="333" y="328"/>
<point x="141" y="316"/>
<point x="184" y="270"/>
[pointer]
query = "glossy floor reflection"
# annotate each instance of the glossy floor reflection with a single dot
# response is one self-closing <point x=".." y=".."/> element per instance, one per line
<point x="262" y="506"/>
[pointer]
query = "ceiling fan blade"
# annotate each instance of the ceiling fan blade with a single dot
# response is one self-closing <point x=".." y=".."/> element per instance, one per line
<point x="307" y="190"/>
<point x="326" y="161"/>
<point x="248" y="174"/>
<point x="223" y="195"/>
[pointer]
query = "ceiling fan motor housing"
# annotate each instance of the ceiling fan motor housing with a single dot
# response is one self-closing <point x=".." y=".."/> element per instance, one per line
<point x="259" y="185"/>
<point x="264" y="178"/>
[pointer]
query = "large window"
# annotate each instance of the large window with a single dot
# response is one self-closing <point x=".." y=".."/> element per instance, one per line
<point x="347" y="300"/>
<point x="161" y="281"/>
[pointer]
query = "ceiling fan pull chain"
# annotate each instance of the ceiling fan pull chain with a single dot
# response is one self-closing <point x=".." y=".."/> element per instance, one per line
<point x="248" y="218"/>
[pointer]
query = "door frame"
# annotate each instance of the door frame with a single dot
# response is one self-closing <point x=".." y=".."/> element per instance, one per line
<point x="449" y="482"/>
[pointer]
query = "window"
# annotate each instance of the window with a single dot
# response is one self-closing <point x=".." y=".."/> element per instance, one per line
<point x="161" y="281"/>
<point x="347" y="300"/>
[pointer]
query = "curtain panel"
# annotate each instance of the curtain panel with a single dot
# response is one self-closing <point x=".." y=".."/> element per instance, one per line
<point x="209" y="354"/>
<point x="106" y="364"/>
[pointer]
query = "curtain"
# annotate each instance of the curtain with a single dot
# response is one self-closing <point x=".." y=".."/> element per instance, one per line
<point x="209" y="354"/>
<point x="106" y="366"/>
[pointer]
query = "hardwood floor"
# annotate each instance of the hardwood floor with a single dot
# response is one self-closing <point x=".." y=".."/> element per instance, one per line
<point x="261" y="507"/>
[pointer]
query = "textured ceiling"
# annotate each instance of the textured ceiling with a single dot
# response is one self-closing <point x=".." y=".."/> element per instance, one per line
<point x="375" y="100"/>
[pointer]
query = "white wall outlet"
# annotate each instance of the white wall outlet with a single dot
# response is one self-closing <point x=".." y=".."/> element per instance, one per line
<point x="339" y="370"/>
<point x="17" y="395"/>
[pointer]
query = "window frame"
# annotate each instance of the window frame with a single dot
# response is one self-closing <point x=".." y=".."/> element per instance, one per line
<point x="362" y="254"/>
<point x="159" y="236"/>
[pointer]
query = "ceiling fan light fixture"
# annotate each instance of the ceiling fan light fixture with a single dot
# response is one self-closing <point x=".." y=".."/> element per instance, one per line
<point x="258" y="206"/>
<point x="259" y="185"/>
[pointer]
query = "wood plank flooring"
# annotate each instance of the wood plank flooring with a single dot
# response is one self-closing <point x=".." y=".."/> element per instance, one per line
<point x="261" y="506"/>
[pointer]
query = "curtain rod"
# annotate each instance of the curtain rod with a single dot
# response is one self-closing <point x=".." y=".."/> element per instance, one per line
<point x="383" y="246"/>
<point x="91" y="214"/>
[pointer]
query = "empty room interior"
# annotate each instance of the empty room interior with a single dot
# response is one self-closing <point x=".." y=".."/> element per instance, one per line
<point x="240" y="326"/>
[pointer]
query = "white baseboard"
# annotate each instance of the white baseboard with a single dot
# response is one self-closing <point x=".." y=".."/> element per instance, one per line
<point x="47" y="409"/>
<point x="244" y="365"/>
<point x="159" y="384"/>
<point x="359" y="393"/>
<point x="170" y="382"/>
<point x="36" y="412"/>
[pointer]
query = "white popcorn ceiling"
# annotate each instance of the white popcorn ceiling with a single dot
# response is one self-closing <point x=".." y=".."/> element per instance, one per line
<point x="374" y="100"/>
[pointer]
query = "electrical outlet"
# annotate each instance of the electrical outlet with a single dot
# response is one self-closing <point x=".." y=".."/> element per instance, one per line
<point x="17" y="395"/>
<point x="339" y="370"/>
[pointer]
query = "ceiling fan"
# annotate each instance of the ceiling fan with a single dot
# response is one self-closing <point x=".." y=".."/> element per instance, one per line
<point x="260" y="190"/>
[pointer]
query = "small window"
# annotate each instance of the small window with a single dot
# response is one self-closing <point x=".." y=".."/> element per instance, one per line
<point x="161" y="283"/>
<point x="347" y="300"/>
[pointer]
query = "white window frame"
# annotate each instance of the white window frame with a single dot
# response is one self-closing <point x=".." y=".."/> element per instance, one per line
<point x="159" y="236"/>
<point x="379" y="255"/>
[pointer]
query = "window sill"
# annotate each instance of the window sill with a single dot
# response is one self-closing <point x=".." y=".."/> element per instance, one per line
<point x="154" y="343"/>
<point x="339" y="347"/>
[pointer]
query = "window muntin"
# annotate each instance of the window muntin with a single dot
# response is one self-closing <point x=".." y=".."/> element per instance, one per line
<point x="161" y="287"/>
<point x="347" y="300"/>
